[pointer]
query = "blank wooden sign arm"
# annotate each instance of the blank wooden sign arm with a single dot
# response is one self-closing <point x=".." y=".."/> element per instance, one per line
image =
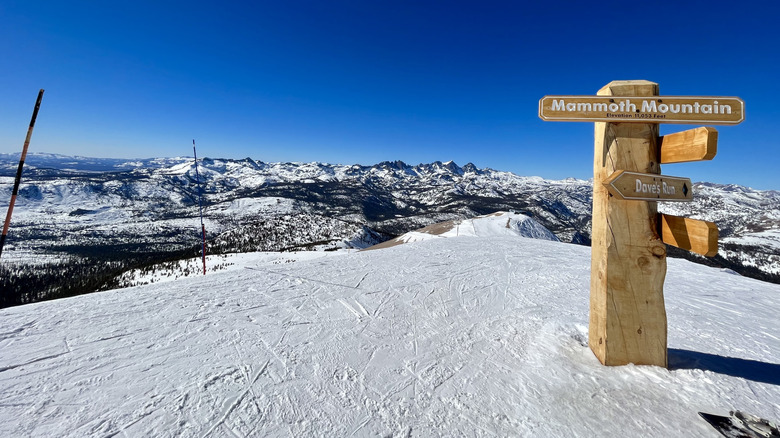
<point x="693" y="235"/>
<point x="692" y="145"/>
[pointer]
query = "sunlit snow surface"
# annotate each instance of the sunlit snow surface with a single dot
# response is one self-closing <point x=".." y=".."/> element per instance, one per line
<point x="497" y="224"/>
<point x="444" y="337"/>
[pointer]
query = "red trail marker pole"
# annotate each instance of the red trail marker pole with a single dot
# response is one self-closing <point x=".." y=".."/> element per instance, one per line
<point x="200" y="207"/>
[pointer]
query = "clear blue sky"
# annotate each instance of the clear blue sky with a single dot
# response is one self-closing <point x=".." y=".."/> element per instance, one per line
<point x="366" y="81"/>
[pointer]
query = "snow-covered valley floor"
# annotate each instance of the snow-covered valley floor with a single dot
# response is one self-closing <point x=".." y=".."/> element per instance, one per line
<point x="445" y="337"/>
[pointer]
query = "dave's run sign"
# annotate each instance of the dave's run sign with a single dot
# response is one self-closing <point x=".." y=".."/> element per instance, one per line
<point x="656" y="109"/>
<point x="648" y="187"/>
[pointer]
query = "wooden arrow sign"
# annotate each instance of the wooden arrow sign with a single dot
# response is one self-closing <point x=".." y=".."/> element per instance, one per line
<point x="637" y="186"/>
<point x="652" y="109"/>
<point x="693" y="235"/>
<point x="691" y="145"/>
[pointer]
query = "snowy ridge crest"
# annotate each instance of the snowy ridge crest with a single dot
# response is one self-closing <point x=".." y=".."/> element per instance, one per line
<point x="497" y="224"/>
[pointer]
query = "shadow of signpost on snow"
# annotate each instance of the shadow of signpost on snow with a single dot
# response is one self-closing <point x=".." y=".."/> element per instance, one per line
<point x="754" y="370"/>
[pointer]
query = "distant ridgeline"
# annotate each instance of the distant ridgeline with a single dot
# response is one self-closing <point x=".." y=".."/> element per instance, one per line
<point x="84" y="221"/>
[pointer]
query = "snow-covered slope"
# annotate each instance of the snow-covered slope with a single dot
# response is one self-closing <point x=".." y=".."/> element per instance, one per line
<point x="446" y="337"/>
<point x="501" y="223"/>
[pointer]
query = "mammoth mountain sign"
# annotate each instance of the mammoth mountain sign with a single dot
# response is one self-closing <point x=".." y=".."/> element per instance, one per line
<point x="655" y="109"/>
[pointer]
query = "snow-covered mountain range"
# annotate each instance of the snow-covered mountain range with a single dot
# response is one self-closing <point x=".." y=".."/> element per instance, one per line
<point x="447" y="337"/>
<point x="142" y="211"/>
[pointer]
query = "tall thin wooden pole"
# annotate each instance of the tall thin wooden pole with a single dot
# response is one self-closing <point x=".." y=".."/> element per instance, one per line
<point x="18" y="179"/>
<point x="200" y="207"/>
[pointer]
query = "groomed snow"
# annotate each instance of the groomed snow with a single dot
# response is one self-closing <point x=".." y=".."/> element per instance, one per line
<point x="501" y="223"/>
<point x="445" y="337"/>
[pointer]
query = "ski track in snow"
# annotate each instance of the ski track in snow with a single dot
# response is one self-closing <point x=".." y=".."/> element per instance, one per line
<point x="447" y="337"/>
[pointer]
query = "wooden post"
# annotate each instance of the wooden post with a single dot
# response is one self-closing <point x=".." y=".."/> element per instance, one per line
<point x="628" y="265"/>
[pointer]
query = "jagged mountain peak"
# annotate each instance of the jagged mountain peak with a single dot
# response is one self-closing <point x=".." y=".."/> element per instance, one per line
<point x="437" y="167"/>
<point x="471" y="168"/>
<point x="397" y="165"/>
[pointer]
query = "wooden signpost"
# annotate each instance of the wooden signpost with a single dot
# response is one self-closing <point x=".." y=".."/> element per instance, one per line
<point x="629" y="237"/>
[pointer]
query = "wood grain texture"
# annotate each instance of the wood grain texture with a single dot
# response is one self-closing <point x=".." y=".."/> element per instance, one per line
<point x="628" y="264"/>
<point x="693" y="235"/>
<point x="692" y="145"/>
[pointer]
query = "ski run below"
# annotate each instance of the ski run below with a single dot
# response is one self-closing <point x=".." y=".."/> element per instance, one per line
<point x="482" y="336"/>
